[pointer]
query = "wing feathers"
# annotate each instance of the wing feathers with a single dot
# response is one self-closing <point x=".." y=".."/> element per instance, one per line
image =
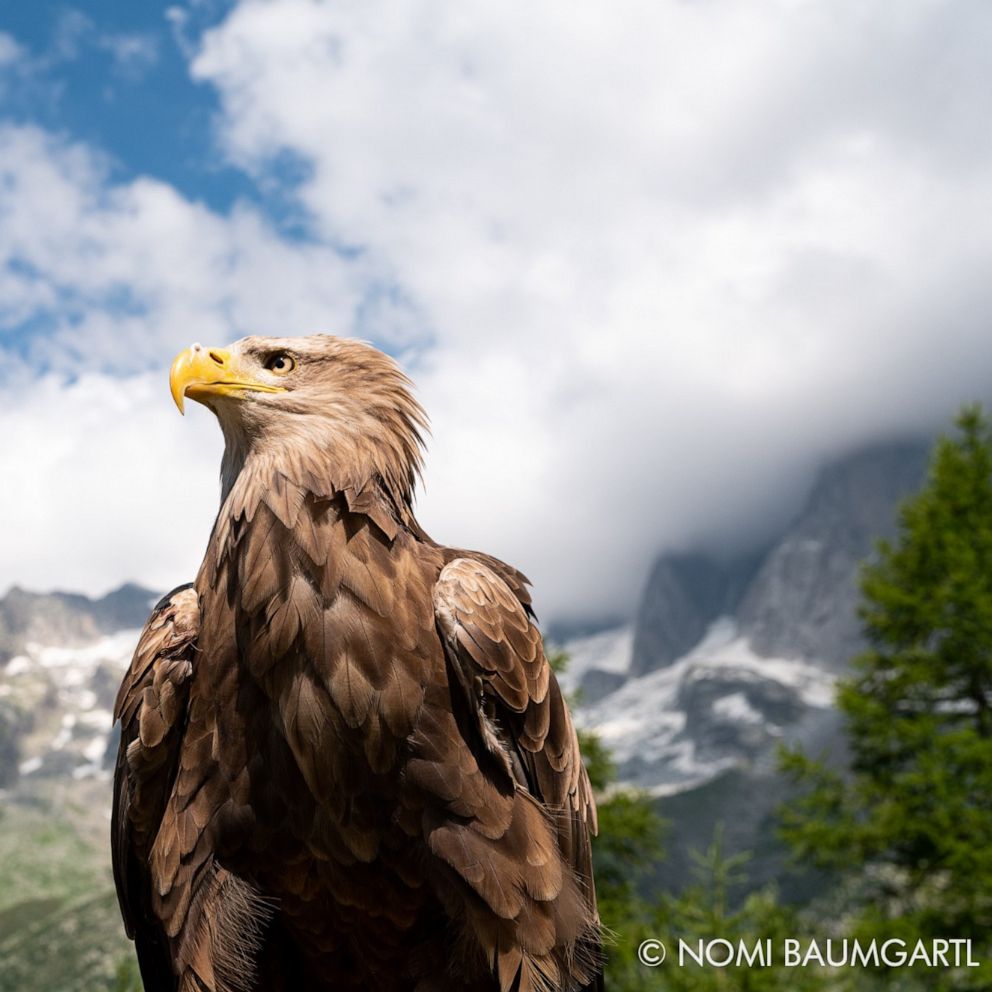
<point x="535" y="873"/>
<point x="379" y="740"/>
<point x="150" y="706"/>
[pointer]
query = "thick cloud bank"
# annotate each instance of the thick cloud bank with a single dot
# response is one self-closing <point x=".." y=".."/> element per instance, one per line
<point x="648" y="263"/>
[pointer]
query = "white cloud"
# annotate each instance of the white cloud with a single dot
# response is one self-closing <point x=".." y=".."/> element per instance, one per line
<point x="73" y="29"/>
<point x="10" y="51"/>
<point x="133" y="53"/>
<point x="103" y="481"/>
<point x="649" y="263"/>
<point x="672" y="253"/>
<point x="127" y="273"/>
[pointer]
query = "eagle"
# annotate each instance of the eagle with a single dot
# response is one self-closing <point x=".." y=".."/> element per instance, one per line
<point x="345" y="762"/>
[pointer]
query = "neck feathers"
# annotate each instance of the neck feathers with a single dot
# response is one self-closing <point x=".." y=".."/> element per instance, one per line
<point x="283" y="481"/>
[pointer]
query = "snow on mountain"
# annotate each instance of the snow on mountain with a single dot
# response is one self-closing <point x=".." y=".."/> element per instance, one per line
<point x="62" y="700"/>
<point x="722" y="662"/>
<point x="725" y="659"/>
<point x="608" y="651"/>
<point x="669" y="730"/>
<point x="679" y="726"/>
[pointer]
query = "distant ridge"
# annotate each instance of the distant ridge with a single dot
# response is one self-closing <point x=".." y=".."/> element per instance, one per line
<point x="68" y="618"/>
<point x="727" y="660"/>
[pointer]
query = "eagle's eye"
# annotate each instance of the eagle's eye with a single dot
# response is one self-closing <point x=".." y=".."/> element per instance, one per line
<point x="280" y="363"/>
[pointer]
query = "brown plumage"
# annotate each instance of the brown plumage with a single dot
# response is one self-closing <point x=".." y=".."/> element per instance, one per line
<point x="344" y="761"/>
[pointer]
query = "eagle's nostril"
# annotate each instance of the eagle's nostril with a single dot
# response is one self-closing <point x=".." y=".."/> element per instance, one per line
<point x="216" y="357"/>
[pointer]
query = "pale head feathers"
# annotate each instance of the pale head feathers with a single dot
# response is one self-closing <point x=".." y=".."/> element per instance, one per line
<point x="347" y="414"/>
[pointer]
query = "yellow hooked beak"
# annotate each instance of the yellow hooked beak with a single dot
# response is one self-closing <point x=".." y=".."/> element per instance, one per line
<point x="200" y="373"/>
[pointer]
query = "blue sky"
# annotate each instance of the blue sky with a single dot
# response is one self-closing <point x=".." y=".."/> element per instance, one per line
<point x="115" y="76"/>
<point x="649" y="262"/>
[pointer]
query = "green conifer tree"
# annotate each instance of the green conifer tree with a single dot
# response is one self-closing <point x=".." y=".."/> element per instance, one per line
<point x="911" y="822"/>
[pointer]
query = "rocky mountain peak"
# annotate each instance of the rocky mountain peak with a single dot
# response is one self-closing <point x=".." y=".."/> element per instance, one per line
<point x="798" y="598"/>
<point x="65" y="618"/>
<point x="683" y="596"/>
<point x="803" y="601"/>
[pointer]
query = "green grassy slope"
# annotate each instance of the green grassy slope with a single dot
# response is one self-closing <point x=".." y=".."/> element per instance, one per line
<point x="60" y="928"/>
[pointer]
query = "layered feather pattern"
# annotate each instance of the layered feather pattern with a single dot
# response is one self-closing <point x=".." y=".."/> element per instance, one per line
<point x="345" y="762"/>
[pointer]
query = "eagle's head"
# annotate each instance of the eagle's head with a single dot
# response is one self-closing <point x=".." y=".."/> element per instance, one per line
<point x="308" y="399"/>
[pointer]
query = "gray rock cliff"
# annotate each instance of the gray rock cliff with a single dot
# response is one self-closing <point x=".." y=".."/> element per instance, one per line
<point x="804" y="600"/>
<point x="683" y="596"/>
<point x="68" y="618"/>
